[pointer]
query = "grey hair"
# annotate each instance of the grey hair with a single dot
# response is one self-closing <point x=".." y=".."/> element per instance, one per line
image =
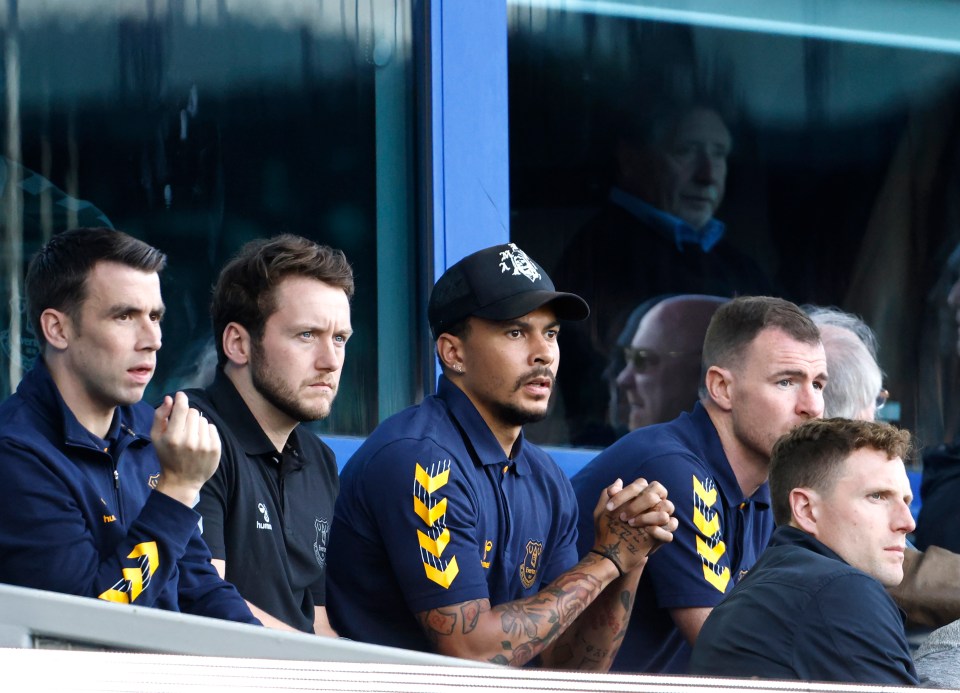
<point x="851" y="348"/>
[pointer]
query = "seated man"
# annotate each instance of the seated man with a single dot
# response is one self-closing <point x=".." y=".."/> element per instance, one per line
<point x="814" y="606"/>
<point x="765" y="372"/>
<point x="90" y="504"/>
<point x="661" y="375"/>
<point x="452" y="533"/>
<point x="281" y="313"/>
<point x="929" y="593"/>
<point x="856" y="381"/>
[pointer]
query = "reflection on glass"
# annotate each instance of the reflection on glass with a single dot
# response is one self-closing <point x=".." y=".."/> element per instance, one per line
<point x="728" y="155"/>
<point x="198" y="126"/>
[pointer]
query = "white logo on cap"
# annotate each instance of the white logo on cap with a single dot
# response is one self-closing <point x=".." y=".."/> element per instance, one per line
<point x="517" y="260"/>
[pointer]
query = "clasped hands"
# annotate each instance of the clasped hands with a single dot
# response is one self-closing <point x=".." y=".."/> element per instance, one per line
<point x="632" y="521"/>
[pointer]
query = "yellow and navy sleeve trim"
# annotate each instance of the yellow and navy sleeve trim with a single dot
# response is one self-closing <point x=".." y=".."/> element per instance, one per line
<point x="710" y="546"/>
<point x="135" y="580"/>
<point x="431" y="507"/>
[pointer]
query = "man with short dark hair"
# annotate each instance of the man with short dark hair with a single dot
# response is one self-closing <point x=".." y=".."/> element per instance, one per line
<point x="765" y="370"/>
<point x="814" y="606"/>
<point x="281" y="317"/>
<point x="452" y="533"/>
<point x="95" y="488"/>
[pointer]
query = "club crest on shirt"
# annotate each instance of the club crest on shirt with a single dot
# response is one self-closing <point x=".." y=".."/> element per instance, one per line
<point x="322" y="525"/>
<point x="153" y="480"/>
<point x="516" y="261"/>
<point x="531" y="563"/>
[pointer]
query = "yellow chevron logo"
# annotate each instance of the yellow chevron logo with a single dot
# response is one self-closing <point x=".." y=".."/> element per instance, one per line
<point x="434" y="546"/>
<point x="719" y="581"/>
<point x="444" y="578"/>
<point x="148" y="549"/>
<point x="431" y="483"/>
<point x="711" y="554"/>
<point x="429" y="515"/>
<point x="116" y="596"/>
<point x="135" y="576"/>
<point x="707" y="527"/>
<point x="708" y="497"/>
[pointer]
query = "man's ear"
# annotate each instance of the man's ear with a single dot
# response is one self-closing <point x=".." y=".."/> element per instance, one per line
<point x="57" y="328"/>
<point x="450" y="352"/>
<point x="719" y="384"/>
<point x="804" y="510"/>
<point x="237" y="344"/>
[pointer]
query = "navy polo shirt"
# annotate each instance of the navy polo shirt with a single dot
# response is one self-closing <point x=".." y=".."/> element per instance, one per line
<point x="719" y="538"/>
<point x="432" y="513"/>
<point x="267" y="513"/>
<point x="803" y="613"/>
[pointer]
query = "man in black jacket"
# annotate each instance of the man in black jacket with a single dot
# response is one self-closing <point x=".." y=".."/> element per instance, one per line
<point x="814" y="606"/>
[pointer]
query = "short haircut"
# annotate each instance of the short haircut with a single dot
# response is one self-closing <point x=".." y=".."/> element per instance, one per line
<point x="57" y="274"/>
<point x="245" y="292"/>
<point x="652" y="122"/>
<point x="851" y="348"/>
<point x="737" y="323"/>
<point x="812" y="456"/>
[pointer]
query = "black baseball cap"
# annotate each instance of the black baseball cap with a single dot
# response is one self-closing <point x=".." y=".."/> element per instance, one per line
<point x="497" y="283"/>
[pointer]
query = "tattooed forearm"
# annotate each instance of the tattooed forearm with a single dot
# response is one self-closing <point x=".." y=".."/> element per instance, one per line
<point x="515" y="632"/>
<point x="595" y="638"/>
<point x="441" y="623"/>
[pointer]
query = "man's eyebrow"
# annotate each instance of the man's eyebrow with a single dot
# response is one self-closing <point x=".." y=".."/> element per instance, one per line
<point x="526" y="324"/>
<point x="798" y="373"/>
<point x="121" y="308"/>
<point x="309" y="327"/>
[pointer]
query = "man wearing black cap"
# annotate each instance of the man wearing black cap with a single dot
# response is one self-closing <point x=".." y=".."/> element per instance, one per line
<point x="451" y="532"/>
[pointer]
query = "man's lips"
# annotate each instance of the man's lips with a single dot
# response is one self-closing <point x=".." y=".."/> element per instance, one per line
<point x="538" y="385"/>
<point x="141" y="373"/>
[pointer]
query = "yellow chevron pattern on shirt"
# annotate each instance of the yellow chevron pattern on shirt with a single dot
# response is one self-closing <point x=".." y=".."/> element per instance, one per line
<point x="432" y="511"/>
<point x="135" y="580"/>
<point x="434" y="546"/>
<point x="429" y="515"/>
<point x="431" y="483"/>
<point x="709" y="540"/>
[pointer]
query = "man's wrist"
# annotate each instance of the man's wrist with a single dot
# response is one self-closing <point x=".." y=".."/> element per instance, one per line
<point x="616" y="563"/>
<point x="188" y="494"/>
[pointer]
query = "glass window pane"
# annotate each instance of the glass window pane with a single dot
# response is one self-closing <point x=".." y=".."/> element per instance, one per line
<point x="200" y="125"/>
<point x="822" y="135"/>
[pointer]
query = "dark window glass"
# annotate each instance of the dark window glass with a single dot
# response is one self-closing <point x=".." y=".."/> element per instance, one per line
<point x="200" y="125"/>
<point x="824" y="136"/>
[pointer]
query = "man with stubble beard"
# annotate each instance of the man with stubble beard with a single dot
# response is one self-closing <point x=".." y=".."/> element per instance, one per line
<point x="454" y="534"/>
<point x="281" y="316"/>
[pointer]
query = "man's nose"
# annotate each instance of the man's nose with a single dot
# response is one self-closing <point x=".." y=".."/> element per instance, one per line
<point x="328" y="356"/>
<point x="953" y="298"/>
<point x="625" y="377"/>
<point x="903" y="519"/>
<point x="709" y="167"/>
<point x="151" y="336"/>
<point x="810" y="401"/>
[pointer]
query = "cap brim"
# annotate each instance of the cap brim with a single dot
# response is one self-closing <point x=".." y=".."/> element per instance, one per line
<point x="566" y="306"/>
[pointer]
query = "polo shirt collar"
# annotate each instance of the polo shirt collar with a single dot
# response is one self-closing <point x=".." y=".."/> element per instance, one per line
<point x="671" y="227"/>
<point x="712" y="450"/>
<point x="243" y="424"/>
<point x="479" y="435"/>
